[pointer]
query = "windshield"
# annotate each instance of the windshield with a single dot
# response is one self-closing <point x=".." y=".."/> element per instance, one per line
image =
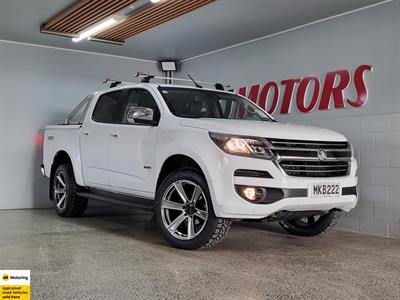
<point x="195" y="103"/>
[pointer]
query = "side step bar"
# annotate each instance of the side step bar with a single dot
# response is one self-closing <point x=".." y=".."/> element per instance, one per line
<point x="123" y="200"/>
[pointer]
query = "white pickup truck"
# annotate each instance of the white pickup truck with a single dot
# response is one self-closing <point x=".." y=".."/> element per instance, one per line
<point x="198" y="158"/>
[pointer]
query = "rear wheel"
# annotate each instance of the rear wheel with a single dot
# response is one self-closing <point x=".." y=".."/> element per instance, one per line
<point x="312" y="225"/>
<point x="185" y="213"/>
<point x="66" y="201"/>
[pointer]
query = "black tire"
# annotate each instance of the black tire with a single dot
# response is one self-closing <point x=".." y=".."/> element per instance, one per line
<point x="312" y="226"/>
<point x="72" y="206"/>
<point x="210" y="233"/>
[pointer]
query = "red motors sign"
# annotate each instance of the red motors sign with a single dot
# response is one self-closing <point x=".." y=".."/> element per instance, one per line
<point x="311" y="93"/>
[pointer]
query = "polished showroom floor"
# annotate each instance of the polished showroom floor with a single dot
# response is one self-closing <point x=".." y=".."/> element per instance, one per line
<point x="116" y="253"/>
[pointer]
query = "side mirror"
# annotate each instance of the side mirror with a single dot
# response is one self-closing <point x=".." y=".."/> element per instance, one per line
<point x="140" y="115"/>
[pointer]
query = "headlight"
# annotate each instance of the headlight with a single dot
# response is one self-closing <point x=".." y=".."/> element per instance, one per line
<point x="241" y="145"/>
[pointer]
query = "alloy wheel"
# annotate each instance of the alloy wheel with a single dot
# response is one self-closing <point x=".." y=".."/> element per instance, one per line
<point x="60" y="190"/>
<point x="184" y="209"/>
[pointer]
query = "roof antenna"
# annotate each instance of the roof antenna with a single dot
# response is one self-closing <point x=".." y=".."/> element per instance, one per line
<point x="194" y="81"/>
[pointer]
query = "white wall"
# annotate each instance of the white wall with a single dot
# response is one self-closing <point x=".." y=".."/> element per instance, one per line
<point x="40" y="86"/>
<point x="371" y="36"/>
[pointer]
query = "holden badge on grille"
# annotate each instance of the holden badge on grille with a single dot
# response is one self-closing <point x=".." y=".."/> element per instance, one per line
<point x="322" y="155"/>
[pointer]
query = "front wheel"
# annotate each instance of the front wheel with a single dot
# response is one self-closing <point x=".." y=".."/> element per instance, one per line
<point x="312" y="225"/>
<point x="185" y="214"/>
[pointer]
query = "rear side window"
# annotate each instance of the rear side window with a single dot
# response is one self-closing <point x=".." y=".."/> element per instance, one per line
<point x="109" y="108"/>
<point x="77" y="115"/>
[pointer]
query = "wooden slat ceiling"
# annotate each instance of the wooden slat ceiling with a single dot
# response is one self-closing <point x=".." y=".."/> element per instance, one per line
<point x="150" y="17"/>
<point x="85" y="13"/>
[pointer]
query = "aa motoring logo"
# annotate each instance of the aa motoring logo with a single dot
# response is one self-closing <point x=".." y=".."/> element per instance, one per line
<point x="20" y="277"/>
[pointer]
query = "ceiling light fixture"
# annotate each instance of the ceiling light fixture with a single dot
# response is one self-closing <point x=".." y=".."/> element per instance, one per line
<point x="95" y="29"/>
<point x="155" y="1"/>
<point x="168" y="66"/>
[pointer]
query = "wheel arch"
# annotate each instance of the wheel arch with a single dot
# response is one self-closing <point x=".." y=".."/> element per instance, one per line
<point x="60" y="158"/>
<point x="178" y="162"/>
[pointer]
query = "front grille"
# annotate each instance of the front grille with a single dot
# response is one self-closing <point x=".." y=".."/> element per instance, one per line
<point x="312" y="158"/>
<point x="314" y="169"/>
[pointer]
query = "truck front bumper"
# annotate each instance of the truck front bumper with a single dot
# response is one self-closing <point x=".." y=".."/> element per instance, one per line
<point x="290" y="193"/>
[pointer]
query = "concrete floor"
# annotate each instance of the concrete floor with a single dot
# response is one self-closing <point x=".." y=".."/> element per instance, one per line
<point x="115" y="253"/>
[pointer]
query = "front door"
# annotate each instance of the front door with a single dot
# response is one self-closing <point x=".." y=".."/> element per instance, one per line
<point x="132" y="150"/>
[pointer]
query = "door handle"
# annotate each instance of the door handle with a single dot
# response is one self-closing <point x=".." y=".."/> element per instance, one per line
<point x="114" y="135"/>
<point x="86" y="133"/>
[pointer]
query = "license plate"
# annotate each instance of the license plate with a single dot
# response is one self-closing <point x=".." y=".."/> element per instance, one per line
<point x="325" y="190"/>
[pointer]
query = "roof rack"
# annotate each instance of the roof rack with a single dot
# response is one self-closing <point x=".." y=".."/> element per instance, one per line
<point x="146" y="78"/>
<point x="115" y="83"/>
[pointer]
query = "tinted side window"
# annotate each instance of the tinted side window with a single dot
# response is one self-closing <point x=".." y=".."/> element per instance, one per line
<point x="140" y="98"/>
<point x="108" y="108"/>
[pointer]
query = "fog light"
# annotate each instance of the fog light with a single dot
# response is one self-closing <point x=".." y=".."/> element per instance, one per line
<point x="251" y="193"/>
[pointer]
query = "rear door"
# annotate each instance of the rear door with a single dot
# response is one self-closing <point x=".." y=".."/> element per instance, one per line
<point x="133" y="148"/>
<point x="95" y="136"/>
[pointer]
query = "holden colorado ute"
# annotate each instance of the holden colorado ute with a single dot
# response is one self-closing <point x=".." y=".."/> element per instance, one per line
<point x="199" y="158"/>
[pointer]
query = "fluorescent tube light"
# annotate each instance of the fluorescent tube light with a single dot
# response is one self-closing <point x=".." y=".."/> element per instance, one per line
<point x="96" y="29"/>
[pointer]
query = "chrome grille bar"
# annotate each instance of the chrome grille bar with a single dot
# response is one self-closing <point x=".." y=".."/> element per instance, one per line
<point x="310" y="149"/>
<point x="319" y="171"/>
<point x="315" y="166"/>
<point x="302" y="158"/>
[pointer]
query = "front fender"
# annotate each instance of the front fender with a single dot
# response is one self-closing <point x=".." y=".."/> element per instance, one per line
<point x="197" y="145"/>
